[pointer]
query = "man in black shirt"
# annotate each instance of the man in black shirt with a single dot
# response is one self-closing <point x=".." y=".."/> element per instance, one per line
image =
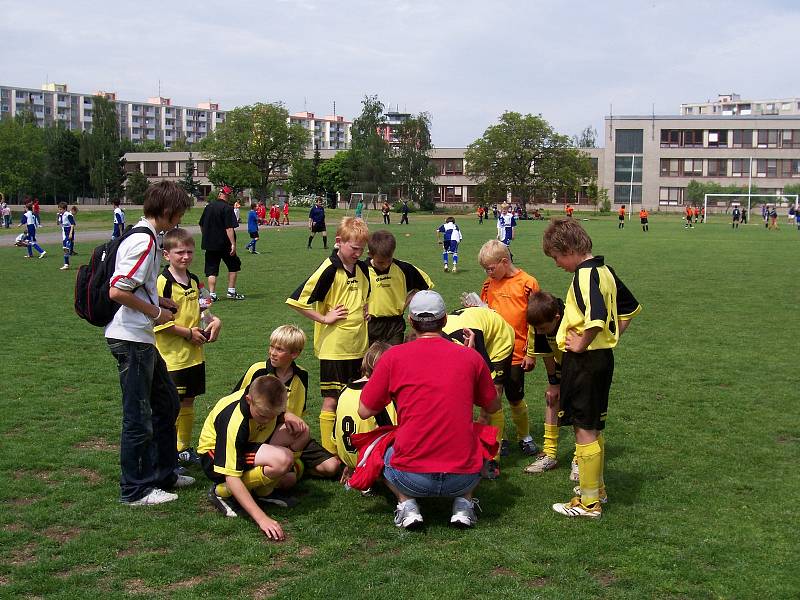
<point x="219" y="242"/>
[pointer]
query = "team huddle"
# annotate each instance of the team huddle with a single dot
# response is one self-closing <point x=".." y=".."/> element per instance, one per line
<point x="388" y="414"/>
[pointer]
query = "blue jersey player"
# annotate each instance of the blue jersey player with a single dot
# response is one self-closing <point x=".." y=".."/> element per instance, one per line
<point x="506" y="223"/>
<point x="67" y="223"/>
<point x="31" y="223"/>
<point x="452" y="236"/>
<point x="119" y="221"/>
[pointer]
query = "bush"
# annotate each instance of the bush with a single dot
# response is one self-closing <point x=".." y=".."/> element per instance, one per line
<point x="398" y="207"/>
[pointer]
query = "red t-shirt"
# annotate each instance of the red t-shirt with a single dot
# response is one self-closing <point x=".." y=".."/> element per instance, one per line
<point x="434" y="384"/>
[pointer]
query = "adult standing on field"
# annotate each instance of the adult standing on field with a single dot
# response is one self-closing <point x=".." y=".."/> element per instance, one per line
<point x="316" y="223"/>
<point x="217" y="224"/>
<point x="404" y="211"/>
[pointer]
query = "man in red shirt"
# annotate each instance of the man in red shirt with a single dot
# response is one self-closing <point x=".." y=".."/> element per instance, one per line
<point x="434" y="384"/>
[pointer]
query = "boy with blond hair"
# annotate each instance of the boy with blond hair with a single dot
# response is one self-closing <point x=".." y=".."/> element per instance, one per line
<point x="393" y="282"/>
<point x="247" y="449"/>
<point x="506" y="291"/>
<point x="285" y="345"/>
<point x="335" y="298"/>
<point x="597" y="310"/>
<point x="180" y="339"/>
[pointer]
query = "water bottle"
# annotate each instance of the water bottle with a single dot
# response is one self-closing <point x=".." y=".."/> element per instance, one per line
<point x="469" y="299"/>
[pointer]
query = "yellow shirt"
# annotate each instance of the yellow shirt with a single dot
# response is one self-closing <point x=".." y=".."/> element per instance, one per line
<point x="390" y="288"/>
<point x="494" y="338"/>
<point x="296" y="387"/>
<point x="176" y="350"/>
<point x="348" y="422"/>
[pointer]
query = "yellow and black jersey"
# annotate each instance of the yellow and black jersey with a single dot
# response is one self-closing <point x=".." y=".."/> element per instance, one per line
<point x="296" y="387"/>
<point x="545" y="344"/>
<point x="176" y="351"/>
<point x="494" y="338"/>
<point x="329" y="286"/>
<point x="348" y="422"/>
<point x="596" y="298"/>
<point x="229" y="433"/>
<point x="390" y="288"/>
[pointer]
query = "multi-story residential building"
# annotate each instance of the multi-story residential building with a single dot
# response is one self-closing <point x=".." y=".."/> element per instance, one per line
<point x="731" y="105"/>
<point x="154" y="120"/>
<point x="388" y="130"/>
<point x="331" y="132"/>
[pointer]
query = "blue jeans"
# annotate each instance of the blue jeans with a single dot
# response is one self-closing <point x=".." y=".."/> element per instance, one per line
<point x="428" y="485"/>
<point x="150" y="405"/>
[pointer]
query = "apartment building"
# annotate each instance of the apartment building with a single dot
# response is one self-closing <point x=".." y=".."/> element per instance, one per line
<point x="650" y="160"/>
<point x="388" y="131"/>
<point x="331" y="132"/>
<point x="155" y="120"/>
<point x="730" y="105"/>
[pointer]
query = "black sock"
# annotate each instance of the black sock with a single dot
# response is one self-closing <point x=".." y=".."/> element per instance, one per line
<point x="311" y="237"/>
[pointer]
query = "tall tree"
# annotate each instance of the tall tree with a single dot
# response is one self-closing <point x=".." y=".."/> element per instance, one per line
<point x="304" y="175"/>
<point x="370" y="156"/>
<point x="189" y="183"/>
<point x="22" y="157"/>
<point x="258" y="142"/>
<point x="136" y="186"/>
<point x="101" y="150"/>
<point x="586" y="139"/>
<point x="413" y="167"/>
<point x="523" y="154"/>
<point x="64" y="176"/>
<point x="334" y="175"/>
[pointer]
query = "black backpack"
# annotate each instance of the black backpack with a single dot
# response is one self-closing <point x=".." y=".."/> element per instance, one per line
<point x="92" y="302"/>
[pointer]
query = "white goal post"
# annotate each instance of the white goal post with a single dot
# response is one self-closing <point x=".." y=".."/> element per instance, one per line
<point x="777" y="198"/>
<point x="369" y="202"/>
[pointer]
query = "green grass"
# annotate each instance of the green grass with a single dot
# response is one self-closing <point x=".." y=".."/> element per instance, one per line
<point x="702" y="439"/>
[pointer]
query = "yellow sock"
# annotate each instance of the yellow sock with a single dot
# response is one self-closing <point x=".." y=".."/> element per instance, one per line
<point x="255" y="478"/>
<point x="602" y="441"/>
<point x="223" y="491"/>
<point x="590" y="466"/>
<point x="519" y="416"/>
<point x="327" y="420"/>
<point x="299" y="468"/>
<point x="498" y="420"/>
<point x="184" y="424"/>
<point x="550" y="447"/>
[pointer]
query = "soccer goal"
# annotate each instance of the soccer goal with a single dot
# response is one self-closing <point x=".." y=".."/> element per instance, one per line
<point x="367" y="201"/>
<point x="748" y="197"/>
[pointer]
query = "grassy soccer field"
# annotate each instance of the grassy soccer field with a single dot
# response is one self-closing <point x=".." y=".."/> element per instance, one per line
<point x="703" y="442"/>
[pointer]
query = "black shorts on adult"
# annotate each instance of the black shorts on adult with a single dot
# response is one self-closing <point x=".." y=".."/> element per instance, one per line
<point x="253" y="235"/>
<point x="514" y="384"/>
<point x="585" y="384"/>
<point x="318" y="227"/>
<point x="213" y="257"/>
<point x="191" y="381"/>
<point x="386" y="329"/>
<point x="314" y="454"/>
<point x="500" y="370"/>
<point x="335" y="374"/>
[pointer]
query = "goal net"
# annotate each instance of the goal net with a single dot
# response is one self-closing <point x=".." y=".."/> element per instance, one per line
<point x="363" y="202"/>
<point x="745" y="201"/>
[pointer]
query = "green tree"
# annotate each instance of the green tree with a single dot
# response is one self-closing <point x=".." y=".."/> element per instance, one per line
<point x="149" y="146"/>
<point x="239" y="176"/>
<point x="64" y="176"/>
<point x="413" y="167"/>
<point x="256" y="143"/>
<point x="189" y="183"/>
<point x="523" y="154"/>
<point x="22" y="157"/>
<point x="180" y="145"/>
<point x="101" y="150"/>
<point x="370" y="157"/>
<point x="586" y="139"/>
<point x="136" y="187"/>
<point x="334" y="175"/>
<point x="598" y="196"/>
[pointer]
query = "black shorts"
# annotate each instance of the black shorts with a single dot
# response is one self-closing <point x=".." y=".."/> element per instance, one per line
<point x="317" y="227"/>
<point x="207" y="462"/>
<point x="585" y="384"/>
<point x="500" y="370"/>
<point x="191" y="381"/>
<point x="622" y="217"/>
<point x="335" y="374"/>
<point x="386" y="329"/>
<point x="314" y="454"/>
<point x="643" y="220"/>
<point x="514" y="384"/>
<point x="213" y="258"/>
<point x="253" y="235"/>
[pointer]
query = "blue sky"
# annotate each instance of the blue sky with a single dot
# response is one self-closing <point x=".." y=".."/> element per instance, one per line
<point x="464" y="62"/>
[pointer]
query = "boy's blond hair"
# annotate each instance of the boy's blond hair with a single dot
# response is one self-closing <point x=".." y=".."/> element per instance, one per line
<point x="289" y="337"/>
<point x="565" y="236"/>
<point x="493" y="252"/>
<point x="370" y="359"/>
<point x="268" y="392"/>
<point x="352" y="228"/>
<point x="177" y="237"/>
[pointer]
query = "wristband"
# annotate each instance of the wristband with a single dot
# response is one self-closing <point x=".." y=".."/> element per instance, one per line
<point x="158" y="316"/>
<point x="553" y="379"/>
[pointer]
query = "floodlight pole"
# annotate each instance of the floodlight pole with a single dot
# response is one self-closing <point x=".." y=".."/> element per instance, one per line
<point x="630" y="193"/>
<point x="749" y="188"/>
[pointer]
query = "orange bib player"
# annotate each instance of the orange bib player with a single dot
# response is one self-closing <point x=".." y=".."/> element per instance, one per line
<point x="689" y="213"/>
<point x="621" y="213"/>
<point x="696" y="211"/>
<point x="643" y="218"/>
<point x="569" y="210"/>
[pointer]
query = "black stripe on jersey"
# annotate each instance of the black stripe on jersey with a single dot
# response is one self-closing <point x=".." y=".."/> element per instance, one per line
<point x="599" y="308"/>
<point x="414" y="280"/>
<point x="626" y="302"/>
<point x="480" y="342"/>
<point x="365" y="270"/>
<point x="221" y="426"/>
<point x="576" y="290"/>
<point x="383" y="418"/>
<point x="321" y="288"/>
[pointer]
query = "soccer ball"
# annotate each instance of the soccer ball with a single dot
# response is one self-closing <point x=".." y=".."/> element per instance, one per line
<point x="408" y="235"/>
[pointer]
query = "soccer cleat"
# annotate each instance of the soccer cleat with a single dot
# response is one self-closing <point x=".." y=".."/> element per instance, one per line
<point x="573" y="471"/>
<point x="189" y="455"/>
<point x="446" y="269"/>
<point x="254" y="252"/>
<point x="64" y="268"/>
<point x="156" y="496"/>
<point x="235" y="296"/>
<point x="455" y="268"/>
<point x="229" y="507"/>
<point x="574" y="508"/>
<point x="602" y="493"/>
<point x="26" y="256"/>
<point x="43" y="254"/>
<point x="491" y="470"/>
<point x="213" y="296"/>
<point x="528" y="447"/>
<point x="464" y="512"/>
<point x="183" y="481"/>
<point x="407" y="515"/>
<point x="278" y="498"/>
<point x="541" y="464"/>
<point x="505" y="447"/>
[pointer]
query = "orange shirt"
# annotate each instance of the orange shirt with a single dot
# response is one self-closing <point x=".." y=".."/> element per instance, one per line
<point x="696" y="211"/>
<point x="643" y="213"/>
<point x="621" y="211"/>
<point x="689" y="211"/>
<point x="570" y="210"/>
<point x="509" y="298"/>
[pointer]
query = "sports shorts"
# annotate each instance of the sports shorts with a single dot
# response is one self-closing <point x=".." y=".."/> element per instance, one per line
<point x="335" y="374"/>
<point x="514" y="384"/>
<point x="318" y="227"/>
<point x="500" y="370"/>
<point x="386" y="329"/>
<point x="643" y="220"/>
<point x="213" y="258"/>
<point x="451" y="246"/>
<point x="314" y="454"/>
<point x="585" y="384"/>
<point x="191" y="381"/>
<point x="207" y="462"/>
<point x="253" y="235"/>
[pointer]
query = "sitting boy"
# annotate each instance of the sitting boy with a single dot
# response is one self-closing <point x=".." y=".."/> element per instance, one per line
<point x="247" y="448"/>
<point x="285" y="345"/>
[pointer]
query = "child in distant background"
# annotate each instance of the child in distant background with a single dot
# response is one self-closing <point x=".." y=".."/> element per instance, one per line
<point x="31" y="223"/>
<point x="252" y="228"/>
<point x="452" y="236"/>
<point x="119" y="221"/>
<point x="67" y="223"/>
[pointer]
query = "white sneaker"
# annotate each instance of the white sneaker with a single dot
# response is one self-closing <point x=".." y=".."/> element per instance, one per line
<point x="573" y="472"/>
<point x="446" y="269"/>
<point x="183" y="481"/>
<point x="464" y="512"/>
<point x="455" y="268"/>
<point x="43" y="254"/>
<point x="64" y="268"/>
<point x="574" y="508"/>
<point x="602" y="493"/>
<point x="407" y="514"/>
<point x="156" y="496"/>
<point x="541" y="464"/>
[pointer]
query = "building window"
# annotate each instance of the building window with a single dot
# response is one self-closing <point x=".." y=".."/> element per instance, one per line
<point x="790" y="138"/>
<point x="768" y="138"/>
<point x="670" y="167"/>
<point x="628" y="193"/>
<point x="623" y="166"/>
<point x="740" y="167"/>
<point x="168" y="168"/>
<point x="717" y="167"/>
<point x="693" y="138"/>
<point x="785" y="167"/>
<point x="718" y="138"/>
<point x="670" y="138"/>
<point x="742" y="138"/>
<point x="150" y="168"/>
<point x="453" y="166"/>
<point x="693" y="166"/>
<point x="201" y="166"/>
<point x="629" y="141"/>
<point x="795" y="167"/>
<point x="670" y="196"/>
